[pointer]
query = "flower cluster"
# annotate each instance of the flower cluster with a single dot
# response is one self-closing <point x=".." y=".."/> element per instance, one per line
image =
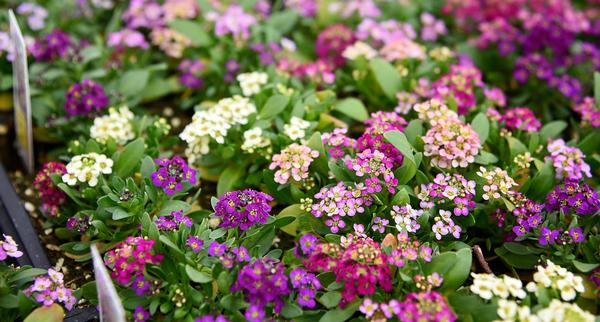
<point x="255" y="140"/>
<point x="293" y="162"/>
<point x="50" y="288"/>
<point x="50" y="195"/>
<point x="337" y="141"/>
<point x="384" y="32"/>
<point x="227" y="256"/>
<point x="433" y="111"/>
<point x="422" y="306"/>
<point x="172" y="221"/>
<point x="172" y="174"/>
<point x="360" y="264"/>
<point x="211" y="318"/>
<point x="307" y="285"/>
<point x="588" y="111"/>
<point x="234" y="21"/>
<point x="569" y="162"/>
<point x="242" y="209"/>
<point x="459" y="85"/>
<point x="191" y="72"/>
<point x="55" y="45"/>
<point x="340" y="201"/>
<point x="444" y="225"/>
<point x="402" y="49"/>
<point x="332" y="41"/>
<point x="498" y="183"/>
<point x="521" y="118"/>
<point x="87" y="168"/>
<point x="407" y="250"/>
<point x="129" y="259"/>
<point x="488" y="286"/>
<point x="213" y="123"/>
<point x="378" y="124"/>
<point x="116" y="126"/>
<point x="528" y="214"/>
<point x="431" y="28"/>
<point x="295" y="130"/>
<point x="359" y="49"/>
<point x="558" y="278"/>
<point x="170" y="41"/>
<point x="374" y="166"/>
<point x="262" y="282"/>
<point x="35" y="15"/>
<point x="573" y="196"/>
<point x="406" y="217"/>
<point x="84" y="98"/>
<point x="319" y="71"/>
<point x="451" y="144"/>
<point x="251" y="83"/>
<point x="448" y="189"/>
<point x="9" y="248"/>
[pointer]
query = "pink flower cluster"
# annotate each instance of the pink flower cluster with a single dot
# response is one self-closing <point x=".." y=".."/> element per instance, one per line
<point x="337" y="142"/>
<point x="444" y="225"/>
<point x="50" y="288"/>
<point x="319" y="71"/>
<point x="377" y="125"/>
<point x="340" y="201"/>
<point x="50" y="195"/>
<point x="460" y="85"/>
<point x="9" y="248"/>
<point x="521" y="118"/>
<point x="416" y="307"/>
<point x="452" y="191"/>
<point x="451" y="144"/>
<point x="293" y="162"/>
<point x="569" y="162"/>
<point x="129" y="259"/>
<point x="361" y="265"/>
<point x="234" y="21"/>
<point x="408" y="250"/>
<point x="384" y="32"/>
<point x="431" y="27"/>
<point x="332" y="41"/>
<point x="589" y="112"/>
<point x="375" y="166"/>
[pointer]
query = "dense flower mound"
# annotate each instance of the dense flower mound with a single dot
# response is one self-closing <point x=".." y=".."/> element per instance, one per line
<point x="50" y="195"/>
<point x="332" y="41"/>
<point x="50" y="288"/>
<point x="521" y="118"/>
<point x="172" y="174"/>
<point x="376" y="168"/>
<point x="242" y="209"/>
<point x="569" y="162"/>
<point x="451" y="144"/>
<point x="459" y="85"/>
<point x="377" y="125"/>
<point x="360" y="264"/>
<point x="293" y="163"/>
<point x="54" y="45"/>
<point x="573" y="197"/>
<point x="116" y="126"/>
<point x="129" y="259"/>
<point x="85" y="98"/>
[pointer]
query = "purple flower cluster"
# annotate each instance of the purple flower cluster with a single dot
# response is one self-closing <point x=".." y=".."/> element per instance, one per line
<point x="228" y="257"/>
<point x="85" y="97"/>
<point x="262" y="282"/>
<point x="234" y="21"/>
<point x="431" y="28"/>
<point x="376" y="167"/>
<point x="243" y="208"/>
<point x="538" y="66"/>
<point x="340" y="201"/>
<point x="266" y="53"/>
<point x="528" y="214"/>
<point x="127" y="38"/>
<point x="377" y="125"/>
<point x="50" y="288"/>
<point x="35" y="15"/>
<point x="521" y="118"/>
<point x="332" y="41"/>
<point x="384" y="32"/>
<point x="172" y="174"/>
<point x="452" y="191"/>
<point x="144" y="14"/>
<point x="191" y="73"/>
<point x="57" y="44"/>
<point x="50" y="195"/>
<point x="338" y="142"/>
<point x="573" y="196"/>
<point x="81" y="224"/>
<point x="306" y="8"/>
<point x="9" y="248"/>
<point x="569" y="162"/>
<point x="558" y="236"/>
<point x="423" y="306"/>
<point x="307" y="285"/>
<point x="171" y="222"/>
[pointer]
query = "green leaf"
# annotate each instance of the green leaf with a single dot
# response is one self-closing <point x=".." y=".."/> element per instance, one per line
<point x="515" y="260"/>
<point x="316" y="143"/>
<point x="229" y="178"/>
<point x="481" y="125"/>
<point x="585" y="267"/>
<point x="133" y="82"/>
<point x="148" y="167"/>
<point x="353" y="108"/>
<point x="515" y="146"/>
<point x="413" y="130"/>
<point x="174" y="205"/>
<point x="128" y="159"/>
<point x="118" y="213"/>
<point x="27" y="274"/>
<point x="485" y="158"/>
<point x="386" y="76"/>
<point x="339" y="315"/>
<point x="290" y="311"/>
<point x="399" y="140"/>
<point x="282" y="21"/>
<point x="552" y="130"/>
<point x="191" y="30"/>
<point x="454" y="267"/>
<point x="9" y="301"/>
<point x="331" y="299"/>
<point x="541" y="183"/>
<point x="472" y="308"/>
<point x="197" y="276"/>
<point x="274" y="105"/>
<point x="52" y="313"/>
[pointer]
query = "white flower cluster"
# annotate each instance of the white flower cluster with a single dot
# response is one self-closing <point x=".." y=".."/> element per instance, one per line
<point x="359" y="49"/>
<point x="251" y="82"/>
<point x="509" y="291"/>
<point x="498" y="183"/>
<point x="116" y="125"/>
<point x="254" y="140"/>
<point x="214" y="123"/>
<point x="87" y="168"/>
<point x="558" y="278"/>
<point x="295" y="130"/>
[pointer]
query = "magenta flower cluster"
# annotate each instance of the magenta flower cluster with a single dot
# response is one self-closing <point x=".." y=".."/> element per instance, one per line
<point x="521" y="118"/>
<point x="332" y="41"/>
<point x="228" y="256"/>
<point x="49" y="289"/>
<point x="459" y="85"/>
<point x="84" y="98"/>
<point x="242" y="209"/>
<point x="569" y="162"/>
<point x="340" y="201"/>
<point x="191" y="72"/>
<point x="453" y="191"/>
<point x="377" y="125"/>
<point x="211" y="318"/>
<point x="376" y="168"/>
<point x="293" y="163"/>
<point x="337" y="142"/>
<point x="129" y="259"/>
<point x="451" y="144"/>
<point x="172" y="221"/>
<point x="307" y="285"/>
<point x="589" y="111"/>
<point x="172" y="174"/>
<point x="55" y="45"/>
<point x="409" y="250"/>
<point x="9" y="248"/>
<point x="262" y="282"/>
<point x="50" y="195"/>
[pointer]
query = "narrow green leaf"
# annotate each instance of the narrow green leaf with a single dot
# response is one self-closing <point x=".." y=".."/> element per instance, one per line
<point x="125" y="163"/>
<point x="274" y="105"/>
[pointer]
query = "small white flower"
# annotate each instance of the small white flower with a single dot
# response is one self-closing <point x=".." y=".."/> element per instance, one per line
<point x="359" y="49"/>
<point x="115" y="125"/>
<point x="87" y="168"/>
<point x="251" y="82"/>
<point x="507" y="310"/>
<point x="295" y="130"/>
